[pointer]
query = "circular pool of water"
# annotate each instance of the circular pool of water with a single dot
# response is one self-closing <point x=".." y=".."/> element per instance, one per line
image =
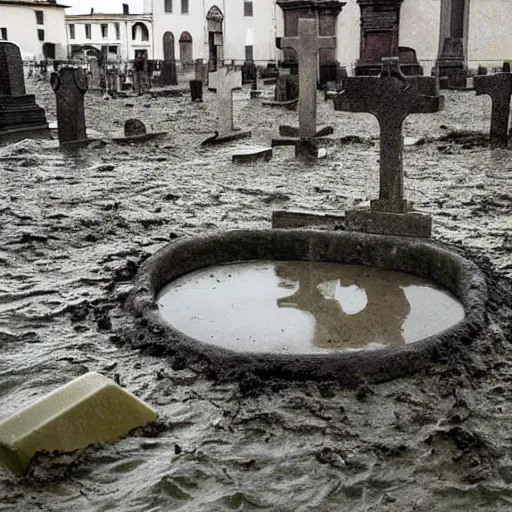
<point x="305" y="307"/>
<point x="400" y="305"/>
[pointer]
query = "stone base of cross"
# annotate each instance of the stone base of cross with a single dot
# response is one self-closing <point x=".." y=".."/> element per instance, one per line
<point x="225" y="80"/>
<point x="499" y="88"/>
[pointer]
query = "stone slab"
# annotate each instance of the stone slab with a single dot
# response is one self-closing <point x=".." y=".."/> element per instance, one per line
<point x="282" y="219"/>
<point x="382" y="223"/>
<point x="252" y="155"/>
<point x="118" y="140"/>
<point x="216" y="139"/>
<point x="293" y="131"/>
<point x="91" y="409"/>
<point x="292" y="104"/>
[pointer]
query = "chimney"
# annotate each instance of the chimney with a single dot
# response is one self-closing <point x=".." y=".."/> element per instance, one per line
<point x="126" y="9"/>
<point x="92" y="10"/>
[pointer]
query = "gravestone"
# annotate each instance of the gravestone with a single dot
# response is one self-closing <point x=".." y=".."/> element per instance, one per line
<point x="225" y="81"/>
<point x="499" y="88"/>
<point x="307" y="46"/>
<point x="134" y="127"/>
<point x="70" y="85"/>
<point x="390" y="97"/>
<point x="168" y="73"/>
<point x="200" y="70"/>
<point x="20" y="116"/>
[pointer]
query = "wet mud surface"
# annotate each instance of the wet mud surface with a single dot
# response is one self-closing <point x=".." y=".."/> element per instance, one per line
<point x="75" y="228"/>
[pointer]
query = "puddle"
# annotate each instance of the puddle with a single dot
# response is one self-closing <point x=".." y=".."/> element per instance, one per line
<point x="306" y="307"/>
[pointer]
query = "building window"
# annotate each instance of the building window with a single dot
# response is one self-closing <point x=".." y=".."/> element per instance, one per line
<point x="40" y="34"/>
<point x="104" y="31"/>
<point x="118" y="31"/>
<point x="249" y="54"/>
<point x="3" y="34"/>
<point x="39" y="17"/>
<point x="247" y="8"/>
<point x="184" y="6"/>
<point x="87" y="31"/>
<point x="168" y="5"/>
<point x="71" y="31"/>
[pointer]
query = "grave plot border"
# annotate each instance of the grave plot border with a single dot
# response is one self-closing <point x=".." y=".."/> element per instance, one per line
<point x="424" y="258"/>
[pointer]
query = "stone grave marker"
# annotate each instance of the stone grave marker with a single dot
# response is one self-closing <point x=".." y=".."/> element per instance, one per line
<point x="70" y="86"/>
<point x="307" y="46"/>
<point x="20" y="116"/>
<point x="134" y="127"/>
<point x="95" y="74"/>
<point x="499" y="88"/>
<point x="390" y="97"/>
<point x="225" y="80"/>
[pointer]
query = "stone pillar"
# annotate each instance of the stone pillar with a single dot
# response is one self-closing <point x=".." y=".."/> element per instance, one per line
<point x="70" y="85"/>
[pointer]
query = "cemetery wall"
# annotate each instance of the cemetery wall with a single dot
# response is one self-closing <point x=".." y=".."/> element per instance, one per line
<point x="20" y="21"/>
<point x="419" y="28"/>
<point x="489" y="31"/>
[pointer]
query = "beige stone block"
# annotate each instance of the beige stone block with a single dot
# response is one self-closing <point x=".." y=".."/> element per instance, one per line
<point x="91" y="409"/>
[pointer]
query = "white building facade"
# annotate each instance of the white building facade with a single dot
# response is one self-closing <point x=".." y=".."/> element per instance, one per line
<point x="240" y="30"/>
<point x="36" y="26"/>
<point x="119" y="37"/>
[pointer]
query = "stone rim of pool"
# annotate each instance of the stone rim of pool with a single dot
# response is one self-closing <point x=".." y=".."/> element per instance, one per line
<point x="422" y="257"/>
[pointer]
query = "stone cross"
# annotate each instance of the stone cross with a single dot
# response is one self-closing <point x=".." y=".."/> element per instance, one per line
<point x="499" y="88"/>
<point x="307" y="45"/>
<point x="225" y="81"/>
<point x="390" y="97"/>
<point x="70" y="85"/>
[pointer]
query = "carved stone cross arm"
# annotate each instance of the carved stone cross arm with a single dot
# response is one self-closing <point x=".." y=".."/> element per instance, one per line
<point x="499" y="88"/>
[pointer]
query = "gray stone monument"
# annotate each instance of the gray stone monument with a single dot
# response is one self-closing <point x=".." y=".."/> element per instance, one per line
<point x="307" y="46"/>
<point x="390" y="97"/>
<point x="20" y="116"/>
<point x="499" y="88"/>
<point x="70" y="85"/>
<point x="225" y="81"/>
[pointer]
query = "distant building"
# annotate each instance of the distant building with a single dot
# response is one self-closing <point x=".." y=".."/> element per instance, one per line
<point x="185" y="30"/>
<point x="113" y="36"/>
<point x="36" y="26"/>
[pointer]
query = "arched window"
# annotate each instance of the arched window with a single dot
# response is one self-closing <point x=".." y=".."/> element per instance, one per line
<point x="185" y="48"/>
<point x="140" y="32"/>
<point x="168" y="42"/>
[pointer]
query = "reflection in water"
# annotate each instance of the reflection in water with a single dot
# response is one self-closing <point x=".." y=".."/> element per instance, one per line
<point x="379" y="321"/>
<point x="306" y="307"/>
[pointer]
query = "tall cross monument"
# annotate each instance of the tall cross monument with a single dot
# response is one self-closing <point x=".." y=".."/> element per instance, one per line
<point x="390" y="97"/>
<point x="307" y="45"/>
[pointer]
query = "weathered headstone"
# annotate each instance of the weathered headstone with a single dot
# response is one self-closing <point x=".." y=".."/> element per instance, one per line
<point x="169" y="75"/>
<point x="134" y="127"/>
<point x="307" y="46"/>
<point x="390" y="97"/>
<point x="196" y="90"/>
<point x="70" y="85"/>
<point x="19" y="114"/>
<point x="499" y="88"/>
<point x="225" y="81"/>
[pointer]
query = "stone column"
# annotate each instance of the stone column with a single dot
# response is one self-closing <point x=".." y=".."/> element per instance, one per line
<point x="70" y="85"/>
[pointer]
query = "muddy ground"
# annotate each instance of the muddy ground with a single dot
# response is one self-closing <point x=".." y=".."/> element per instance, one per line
<point x="74" y="228"/>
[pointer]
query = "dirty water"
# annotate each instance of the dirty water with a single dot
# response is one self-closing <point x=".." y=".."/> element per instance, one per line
<point x="305" y="307"/>
<point x="76" y="226"/>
